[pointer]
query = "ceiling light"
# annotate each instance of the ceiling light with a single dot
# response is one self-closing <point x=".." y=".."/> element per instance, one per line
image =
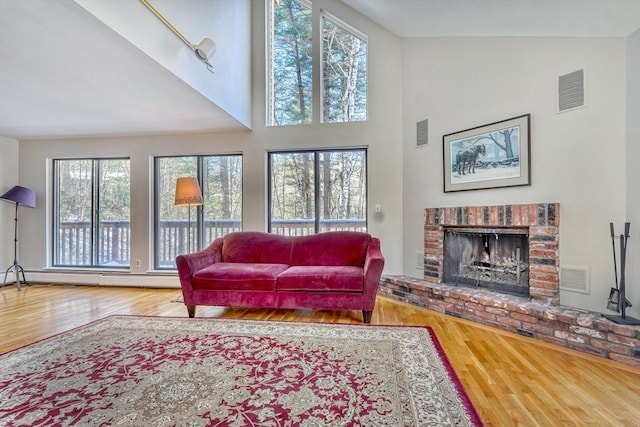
<point x="204" y="50"/>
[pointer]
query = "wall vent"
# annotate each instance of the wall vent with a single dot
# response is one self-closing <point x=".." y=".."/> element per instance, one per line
<point x="422" y="133"/>
<point x="575" y="279"/>
<point x="420" y="260"/>
<point x="571" y="91"/>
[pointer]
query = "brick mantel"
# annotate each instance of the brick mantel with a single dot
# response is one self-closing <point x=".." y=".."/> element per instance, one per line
<point x="542" y="221"/>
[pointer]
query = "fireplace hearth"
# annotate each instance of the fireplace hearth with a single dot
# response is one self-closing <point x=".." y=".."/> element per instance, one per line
<point x="540" y="316"/>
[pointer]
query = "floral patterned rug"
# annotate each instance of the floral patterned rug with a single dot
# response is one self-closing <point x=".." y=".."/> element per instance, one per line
<point x="151" y="371"/>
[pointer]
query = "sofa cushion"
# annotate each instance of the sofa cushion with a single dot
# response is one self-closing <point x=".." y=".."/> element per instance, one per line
<point x="256" y="247"/>
<point x="333" y="248"/>
<point x="238" y="276"/>
<point x="321" y="278"/>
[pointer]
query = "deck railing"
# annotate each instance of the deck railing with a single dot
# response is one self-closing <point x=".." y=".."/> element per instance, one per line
<point x="174" y="238"/>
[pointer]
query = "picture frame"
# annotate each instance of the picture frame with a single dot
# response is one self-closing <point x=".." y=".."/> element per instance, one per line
<point x="494" y="155"/>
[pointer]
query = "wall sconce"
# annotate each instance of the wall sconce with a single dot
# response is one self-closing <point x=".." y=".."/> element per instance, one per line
<point x="203" y="50"/>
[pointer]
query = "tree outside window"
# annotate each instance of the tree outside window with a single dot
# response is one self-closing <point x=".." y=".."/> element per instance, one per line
<point x="178" y="230"/>
<point x="290" y="57"/>
<point x="344" y="73"/>
<point x="91" y="213"/>
<point x="317" y="191"/>
<point x="343" y="59"/>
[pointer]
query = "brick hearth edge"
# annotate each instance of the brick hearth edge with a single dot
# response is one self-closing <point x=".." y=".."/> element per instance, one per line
<point x="568" y="327"/>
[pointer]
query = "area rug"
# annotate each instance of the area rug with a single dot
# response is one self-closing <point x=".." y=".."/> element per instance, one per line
<point x="151" y="371"/>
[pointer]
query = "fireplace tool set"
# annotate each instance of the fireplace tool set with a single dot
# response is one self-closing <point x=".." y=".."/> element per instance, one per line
<point x="617" y="301"/>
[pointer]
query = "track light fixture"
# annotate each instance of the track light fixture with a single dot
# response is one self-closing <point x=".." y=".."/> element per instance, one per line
<point x="203" y="50"/>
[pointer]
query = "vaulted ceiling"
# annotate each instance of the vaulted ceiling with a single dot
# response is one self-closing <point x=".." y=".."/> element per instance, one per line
<point x="63" y="73"/>
<point x="495" y="18"/>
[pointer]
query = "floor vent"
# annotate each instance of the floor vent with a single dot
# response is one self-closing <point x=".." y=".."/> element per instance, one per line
<point x="575" y="279"/>
<point x="571" y="91"/>
<point x="453" y="313"/>
<point x="420" y="260"/>
<point x="526" y="333"/>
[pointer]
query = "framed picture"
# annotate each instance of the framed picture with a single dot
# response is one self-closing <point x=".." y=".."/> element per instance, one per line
<point x="489" y="156"/>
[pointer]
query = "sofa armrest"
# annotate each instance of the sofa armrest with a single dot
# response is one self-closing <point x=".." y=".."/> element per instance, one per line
<point x="189" y="264"/>
<point x="373" y="265"/>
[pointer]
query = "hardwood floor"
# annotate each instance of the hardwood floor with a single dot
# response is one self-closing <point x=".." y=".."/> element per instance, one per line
<point x="512" y="380"/>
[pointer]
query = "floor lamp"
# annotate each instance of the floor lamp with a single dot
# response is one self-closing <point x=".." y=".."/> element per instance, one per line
<point x="25" y="197"/>
<point x="188" y="194"/>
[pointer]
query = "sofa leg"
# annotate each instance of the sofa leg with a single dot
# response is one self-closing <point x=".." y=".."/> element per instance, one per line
<point x="366" y="316"/>
<point x="191" y="309"/>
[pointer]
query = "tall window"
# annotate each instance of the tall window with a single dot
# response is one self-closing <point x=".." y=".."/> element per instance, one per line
<point x="91" y="213"/>
<point x="317" y="191"/>
<point x="344" y="72"/>
<point x="182" y="229"/>
<point x="343" y="80"/>
<point x="289" y="55"/>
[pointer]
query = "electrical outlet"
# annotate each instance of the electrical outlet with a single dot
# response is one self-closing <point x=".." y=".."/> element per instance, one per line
<point x="138" y="263"/>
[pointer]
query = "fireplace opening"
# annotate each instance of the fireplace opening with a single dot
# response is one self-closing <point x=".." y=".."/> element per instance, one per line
<point x="494" y="259"/>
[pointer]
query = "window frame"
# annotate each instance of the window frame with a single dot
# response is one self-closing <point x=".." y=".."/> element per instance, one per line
<point x="356" y="33"/>
<point x="316" y="180"/>
<point x="317" y="71"/>
<point x="198" y="218"/>
<point x="269" y="68"/>
<point x="94" y="249"/>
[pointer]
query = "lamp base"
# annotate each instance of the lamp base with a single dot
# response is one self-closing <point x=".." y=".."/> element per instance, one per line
<point x="17" y="268"/>
<point x="627" y="320"/>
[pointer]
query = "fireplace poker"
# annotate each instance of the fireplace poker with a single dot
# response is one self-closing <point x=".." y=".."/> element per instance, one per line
<point x="623" y="263"/>
<point x="613" y="245"/>
<point x="622" y="301"/>
<point x="614" y="293"/>
<point x="614" y="303"/>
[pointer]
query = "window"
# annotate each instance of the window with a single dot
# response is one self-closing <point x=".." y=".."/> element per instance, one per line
<point x="317" y="191"/>
<point x="290" y="59"/>
<point x="344" y="73"/>
<point x="91" y="213"/>
<point x="181" y="229"/>
<point x="289" y="55"/>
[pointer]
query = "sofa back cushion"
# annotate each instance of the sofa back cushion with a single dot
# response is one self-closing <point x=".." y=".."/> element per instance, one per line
<point x="256" y="247"/>
<point x="332" y="248"/>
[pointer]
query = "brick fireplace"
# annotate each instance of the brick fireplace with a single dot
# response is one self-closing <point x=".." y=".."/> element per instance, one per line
<point x="539" y="315"/>
<point x="540" y="221"/>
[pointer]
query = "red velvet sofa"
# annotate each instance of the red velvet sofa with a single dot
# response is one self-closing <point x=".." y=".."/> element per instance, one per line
<point x="338" y="270"/>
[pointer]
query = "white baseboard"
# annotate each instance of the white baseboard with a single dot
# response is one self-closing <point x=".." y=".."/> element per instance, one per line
<point x="104" y="279"/>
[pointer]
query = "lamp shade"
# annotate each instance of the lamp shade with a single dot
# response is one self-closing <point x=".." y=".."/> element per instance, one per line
<point x="21" y="195"/>
<point x="188" y="192"/>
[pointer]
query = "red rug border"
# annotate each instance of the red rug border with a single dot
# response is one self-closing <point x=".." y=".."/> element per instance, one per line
<point x="453" y="376"/>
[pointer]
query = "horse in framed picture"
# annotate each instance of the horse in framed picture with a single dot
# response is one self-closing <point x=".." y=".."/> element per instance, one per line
<point x="466" y="159"/>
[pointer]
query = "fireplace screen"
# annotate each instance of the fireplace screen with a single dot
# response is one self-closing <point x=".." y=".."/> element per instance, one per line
<point x="491" y="259"/>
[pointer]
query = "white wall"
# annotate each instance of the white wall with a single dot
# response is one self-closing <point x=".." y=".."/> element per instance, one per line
<point x="226" y="22"/>
<point x="577" y="157"/>
<point x="8" y="178"/>
<point x="633" y="169"/>
<point x="381" y="134"/>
